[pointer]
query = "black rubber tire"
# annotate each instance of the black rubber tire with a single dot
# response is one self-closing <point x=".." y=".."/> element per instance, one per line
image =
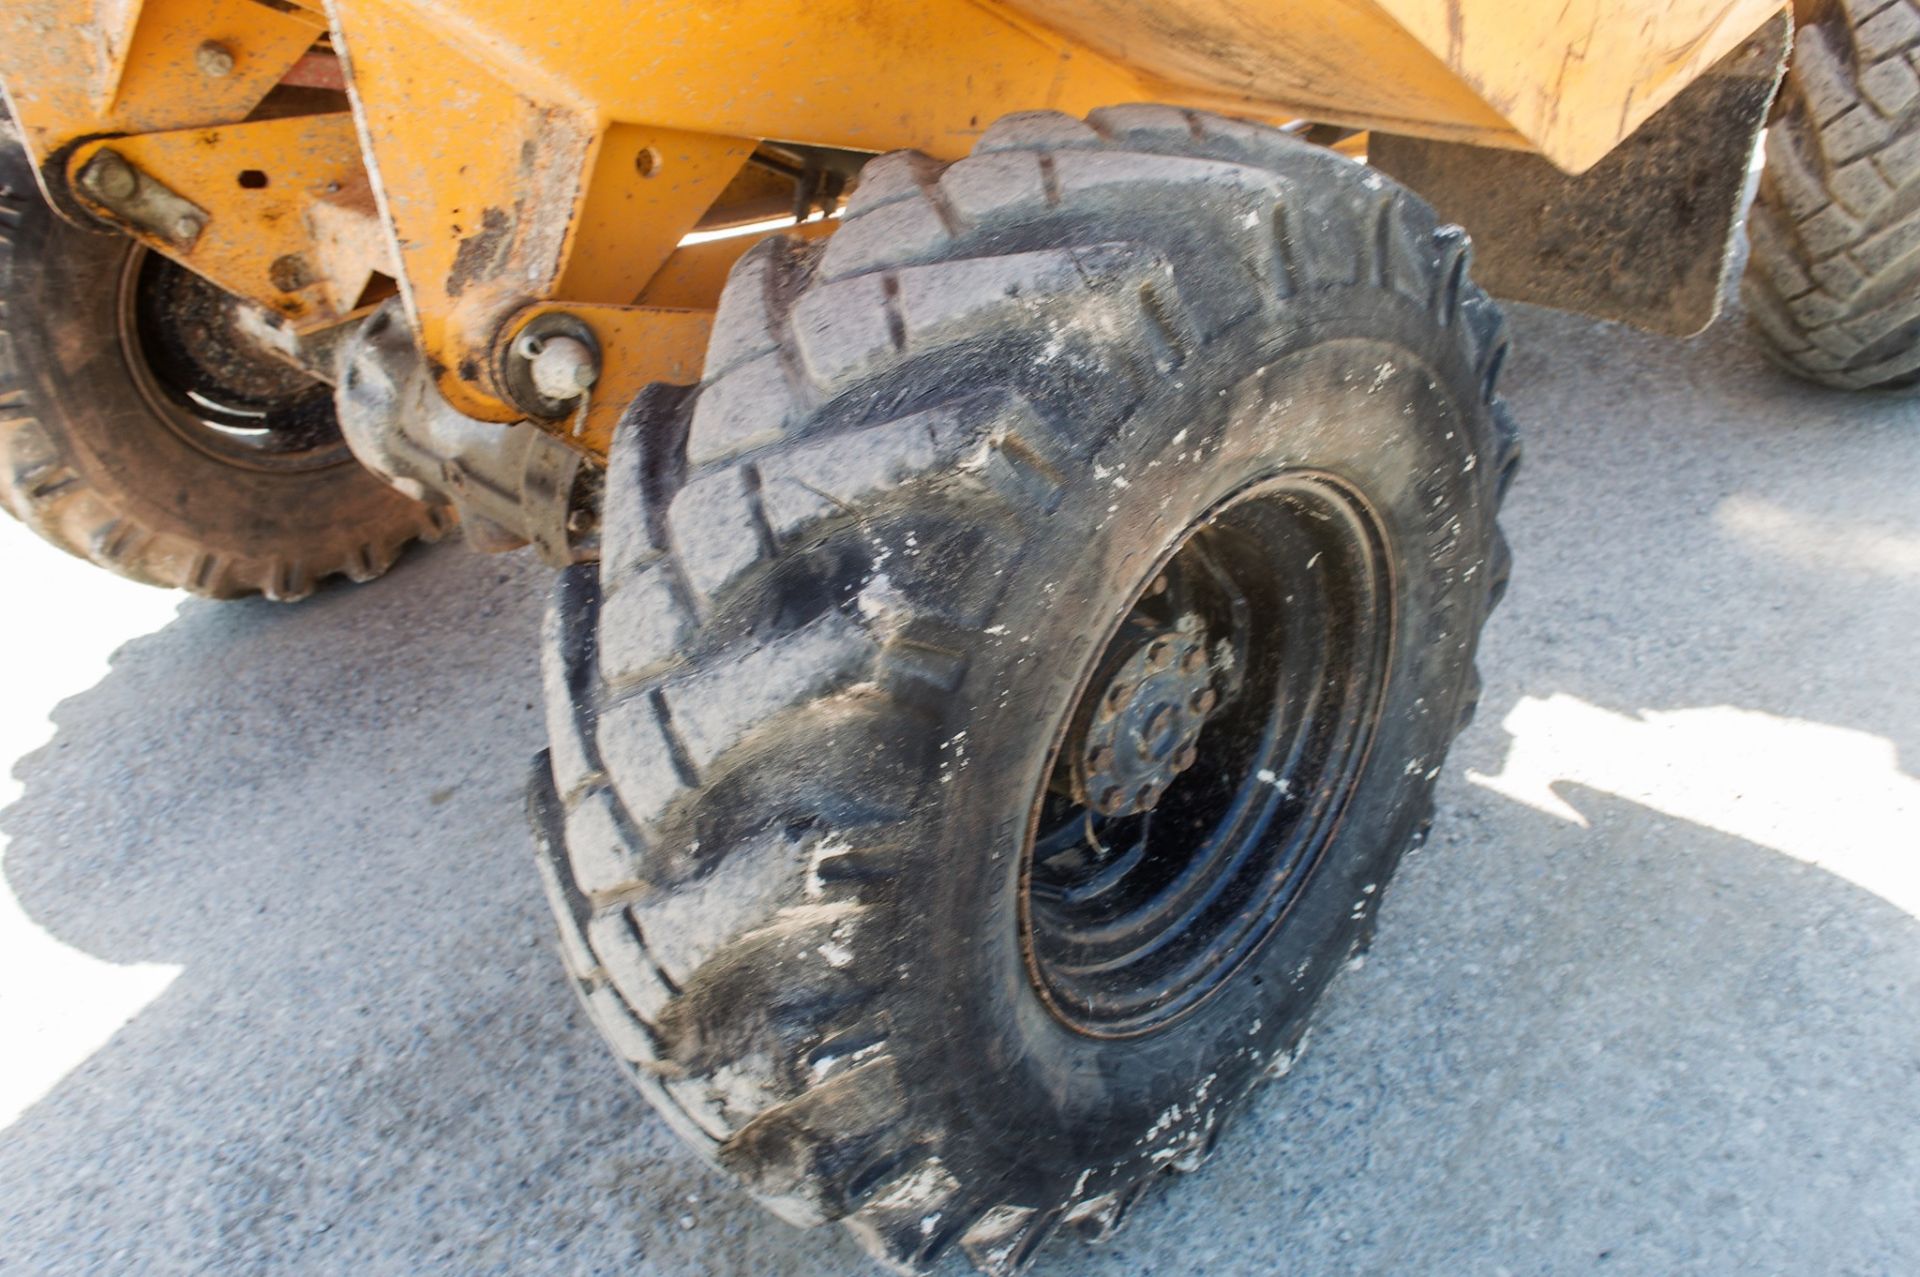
<point x="1832" y="285"/>
<point x="798" y="711"/>
<point x="88" y="464"/>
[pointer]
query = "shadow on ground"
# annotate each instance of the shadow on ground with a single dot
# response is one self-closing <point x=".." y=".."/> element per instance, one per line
<point x="1638" y="1044"/>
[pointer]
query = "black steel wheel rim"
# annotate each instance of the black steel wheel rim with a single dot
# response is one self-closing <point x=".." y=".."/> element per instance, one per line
<point x="1129" y="922"/>
<point x="208" y="383"/>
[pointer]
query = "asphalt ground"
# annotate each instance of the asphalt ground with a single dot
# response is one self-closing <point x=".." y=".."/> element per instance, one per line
<point x="277" y="992"/>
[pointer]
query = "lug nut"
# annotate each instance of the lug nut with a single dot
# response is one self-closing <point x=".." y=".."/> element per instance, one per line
<point x="1184" y="759"/>
<point x="214" y="59"/>
<point x="1112" y="798"/>
<point x="1193" y="660"/>
<point x="1204" y="700"/>
<point x="1158" y="654"/>
<point x="1100" y="759"/>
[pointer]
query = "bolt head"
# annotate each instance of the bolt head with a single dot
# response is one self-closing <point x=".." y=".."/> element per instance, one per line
<point x="1204" y="700"/>
<point x="214" y="59"/>
<point x="1195" y="658"/>
<point x="188" y="226"/>
<point x="109" y="177"/>
<point x="289" y="273"/>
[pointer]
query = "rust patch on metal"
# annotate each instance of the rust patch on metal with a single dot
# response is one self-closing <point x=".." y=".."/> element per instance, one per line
<point x="483" y="254"/>
<point x="290" y="273"/>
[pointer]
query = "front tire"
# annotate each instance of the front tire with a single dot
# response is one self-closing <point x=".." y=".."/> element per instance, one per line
<point x="820" y="718"/>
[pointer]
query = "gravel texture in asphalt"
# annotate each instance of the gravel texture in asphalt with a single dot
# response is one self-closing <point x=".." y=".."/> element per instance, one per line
<point x="277" y="992"/>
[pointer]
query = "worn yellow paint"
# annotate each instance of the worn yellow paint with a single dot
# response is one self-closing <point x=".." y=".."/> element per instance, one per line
<point x="864" y="74"/>
<point x="485" y="191"/>
<point x="480" y="178"/>
<point x="264" y="186"/>
<point x="496" y="138"/>
<point x="76" y="68"/>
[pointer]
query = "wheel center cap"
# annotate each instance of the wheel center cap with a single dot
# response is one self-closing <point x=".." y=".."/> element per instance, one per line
<point x="1147" y="721"/>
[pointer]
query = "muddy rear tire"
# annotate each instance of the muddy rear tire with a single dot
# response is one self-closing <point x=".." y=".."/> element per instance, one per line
<point x="820" y="717"/>
<point x="138" y="433"/>
<point x="1832" y="286"/>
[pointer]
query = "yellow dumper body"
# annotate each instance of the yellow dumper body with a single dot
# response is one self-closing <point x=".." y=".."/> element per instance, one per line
<point x="496" y="160"/>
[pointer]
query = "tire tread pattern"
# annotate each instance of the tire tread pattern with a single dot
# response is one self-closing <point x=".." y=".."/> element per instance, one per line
<point x="1832" y="285"/>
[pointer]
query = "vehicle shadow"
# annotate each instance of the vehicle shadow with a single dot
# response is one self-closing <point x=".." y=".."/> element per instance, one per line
<point x="1639" y="1042"/>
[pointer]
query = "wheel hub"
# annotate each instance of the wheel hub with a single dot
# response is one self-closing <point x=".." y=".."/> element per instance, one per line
<point x="1146" y="722"/>
<point x="209" y="380"/>
<point x="1208" y="756"/>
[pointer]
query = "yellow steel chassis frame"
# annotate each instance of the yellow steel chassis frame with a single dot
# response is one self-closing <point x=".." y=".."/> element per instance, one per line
<point x="504" y="158"/>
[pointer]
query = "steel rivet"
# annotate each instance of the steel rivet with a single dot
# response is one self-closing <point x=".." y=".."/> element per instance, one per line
<point x="214" y="59"/>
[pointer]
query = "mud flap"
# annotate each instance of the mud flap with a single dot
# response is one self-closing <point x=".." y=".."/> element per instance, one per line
<point x="1644" y="236"/>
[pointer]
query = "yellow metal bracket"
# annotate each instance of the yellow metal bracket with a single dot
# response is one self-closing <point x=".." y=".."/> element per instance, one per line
<point x="644" y="179"/>
<point x="87" y="68"/>
<point x="639" y="345"/>
<point x="567" y="167"/>
<point x="284" y="216"/>
<point x="506" y="159"/>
